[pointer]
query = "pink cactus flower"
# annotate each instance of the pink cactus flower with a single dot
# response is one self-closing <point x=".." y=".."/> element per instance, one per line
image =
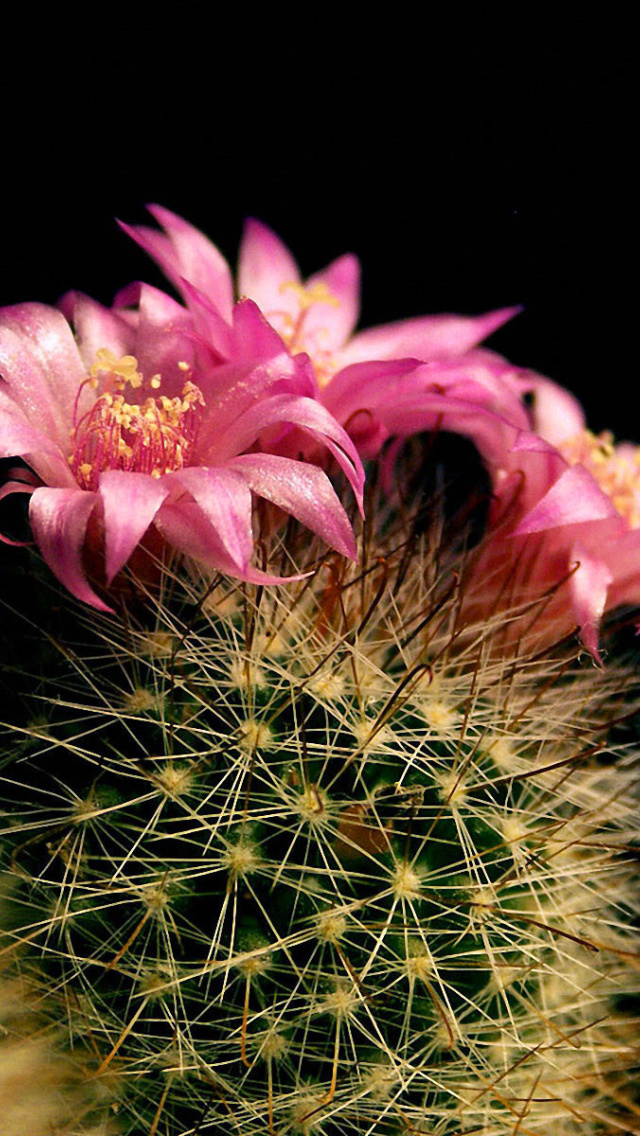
<point x="591" y="513"/>
<point x="132" y="426"/>
<point x="564" y="525"/>
<point x="371" y="382"/>
<point x="565" y="505"/>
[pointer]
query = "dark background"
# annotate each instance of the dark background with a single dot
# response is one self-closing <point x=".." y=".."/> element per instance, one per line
<point x="470" y="167"/>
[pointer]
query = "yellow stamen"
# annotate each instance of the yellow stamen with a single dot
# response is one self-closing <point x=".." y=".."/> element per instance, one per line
<point x="292" y="327"/>
<point x="615" y="468"/>
<point x="125" y="368"/>
<point x="154" y="436"/>
<point x="318" y="293"/>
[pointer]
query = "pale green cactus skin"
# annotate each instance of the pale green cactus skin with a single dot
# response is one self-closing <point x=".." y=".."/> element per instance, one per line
<point x="316" y="860"/>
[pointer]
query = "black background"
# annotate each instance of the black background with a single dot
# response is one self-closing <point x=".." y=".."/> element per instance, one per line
<point x="470" y="167"/>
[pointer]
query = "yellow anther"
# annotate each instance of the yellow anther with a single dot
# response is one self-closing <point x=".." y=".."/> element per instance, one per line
<point x="153" y="436"/>
<point x="125" y="368"/>
<point x="318" y="293"/>
<point x="615" y="468"/>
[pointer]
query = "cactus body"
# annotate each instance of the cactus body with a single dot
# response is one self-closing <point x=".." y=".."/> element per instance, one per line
<point x="320" y="859"/>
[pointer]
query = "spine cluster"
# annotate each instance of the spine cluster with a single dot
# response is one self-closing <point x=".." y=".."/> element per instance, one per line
<point x="321" y="859"/>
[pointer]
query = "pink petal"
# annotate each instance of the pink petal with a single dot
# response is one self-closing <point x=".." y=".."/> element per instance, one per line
<point x="249" y="338"/>
<point x="492" y="435"/>
<point x="164" y="339"/>
<point x="306" y="414"/>
<point x="59" y="519"/>
<point x="425" y="338"/>
<point x="17" y="436"/>
<point x="366" y="386"/>
<point x="185" y="253"/>
<point x="332" y="326"/>
<point x="186" y="528"/>
<point x="233" y="389"/>
<point x="556" y="415"/>
<point x="224" y="499"/>
<point x="575" y="498"/>
<point x="265" y="264"/>
<point x="130" y="502"/>
<point x="213" y="331"/>
<point x="254" y="337"/>
<point x="95" y="327"/>
<point x="588" y="587"/>
<point x="622" y="554"/>
<point x="302" y="490"/>
<point x="40" y="361"/>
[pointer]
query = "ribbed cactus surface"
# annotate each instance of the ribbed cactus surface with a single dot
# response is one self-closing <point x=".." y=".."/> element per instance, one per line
<point x="324" y="859"/>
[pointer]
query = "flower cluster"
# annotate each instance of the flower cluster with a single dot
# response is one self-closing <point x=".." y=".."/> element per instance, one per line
<point x="168" y="418"/>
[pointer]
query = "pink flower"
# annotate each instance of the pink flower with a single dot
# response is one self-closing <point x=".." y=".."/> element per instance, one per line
<point x="564" y="525"/>
<point x="382" y="382"/>
<point x="136" y="425"/>
<point x="558" y="513"/>
<point x="590" y="515"/>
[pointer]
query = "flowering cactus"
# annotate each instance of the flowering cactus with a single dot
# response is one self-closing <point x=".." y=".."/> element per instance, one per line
<point x="347" y="855"/>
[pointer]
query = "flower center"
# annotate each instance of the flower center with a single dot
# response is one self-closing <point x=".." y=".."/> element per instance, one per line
<point x="294" y="329"/>
<point x="153" y="436"/>
<point x="615" y="468"/>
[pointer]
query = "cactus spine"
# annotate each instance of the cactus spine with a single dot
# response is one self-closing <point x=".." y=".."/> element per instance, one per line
<point x="319" y="859"/>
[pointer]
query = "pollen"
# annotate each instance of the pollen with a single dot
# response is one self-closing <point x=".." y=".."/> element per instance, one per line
<point x="306" y="296"/>
<point x="615" y="468"/>
<point x="153" y="435"/>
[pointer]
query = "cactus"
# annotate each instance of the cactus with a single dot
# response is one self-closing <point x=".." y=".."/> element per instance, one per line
<point x="321" y="859"/>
